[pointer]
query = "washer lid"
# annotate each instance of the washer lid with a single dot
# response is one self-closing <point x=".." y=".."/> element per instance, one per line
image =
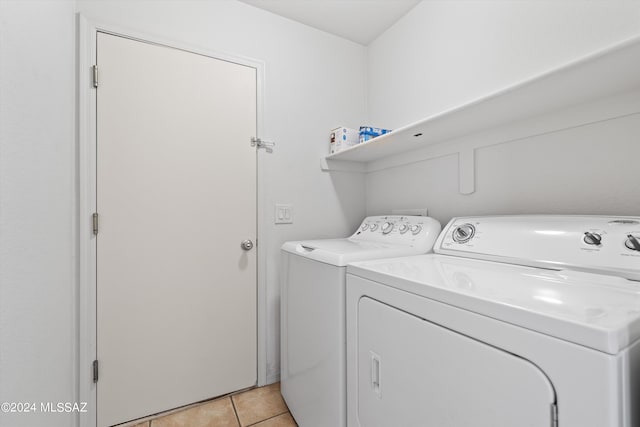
<point x="340" y="252"/>
<point x="594" y="310"/>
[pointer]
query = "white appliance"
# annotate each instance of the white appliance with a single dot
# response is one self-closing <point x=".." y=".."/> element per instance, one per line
<point x="313" y="353"/>
<point x="515" y="321"/>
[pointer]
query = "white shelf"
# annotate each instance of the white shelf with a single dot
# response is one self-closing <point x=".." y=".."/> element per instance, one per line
<point x="604" y="74"/>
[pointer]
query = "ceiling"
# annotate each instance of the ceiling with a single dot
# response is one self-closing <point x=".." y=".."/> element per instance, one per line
<point x="360" y="21"/>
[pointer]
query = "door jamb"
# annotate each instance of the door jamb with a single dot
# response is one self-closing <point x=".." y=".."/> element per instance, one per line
<point x="86" y="203"/>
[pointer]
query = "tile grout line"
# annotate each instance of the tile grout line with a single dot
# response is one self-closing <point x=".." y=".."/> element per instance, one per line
<point x="235" y="411"/>
<point x="266" y="419"/>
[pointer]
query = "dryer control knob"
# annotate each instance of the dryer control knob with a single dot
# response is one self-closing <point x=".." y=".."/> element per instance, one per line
<point x="387" y="227"/>
<point x="592" y="238"/>
<point x="415" y="229"/>
<point x="364" y="226"/>
<point x="373" y="227"/>
<point x="464" y="233"/>
<point x="403" y="228"/>
<point x="633" y="242"/>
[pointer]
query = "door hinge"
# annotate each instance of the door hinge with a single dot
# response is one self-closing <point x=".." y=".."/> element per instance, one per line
<point x="554" y="415"/>
<point x="95" y="371"/>
<point x="94" y="218"/>
<point x="95" y="76"/>
<point x="267" y="145"/>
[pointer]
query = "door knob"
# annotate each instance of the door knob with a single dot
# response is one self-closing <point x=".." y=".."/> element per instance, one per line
<point x="247" y="245"/>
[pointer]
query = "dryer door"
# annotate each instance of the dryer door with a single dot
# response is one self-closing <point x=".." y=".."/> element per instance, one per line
<point x="412" y="372"/>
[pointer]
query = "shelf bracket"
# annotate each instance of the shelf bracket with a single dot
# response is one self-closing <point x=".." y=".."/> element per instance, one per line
<point x="467" y="171"/>
<point x="329" y="165"/>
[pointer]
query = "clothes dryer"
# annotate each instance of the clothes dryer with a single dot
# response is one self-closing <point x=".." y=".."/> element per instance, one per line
<point x="515" y="321"/>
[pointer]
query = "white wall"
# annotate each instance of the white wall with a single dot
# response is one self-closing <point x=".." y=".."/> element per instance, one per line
<point x="37" y="271"/>
<point x="313" y="83"/>
<point x="445" y="53"/>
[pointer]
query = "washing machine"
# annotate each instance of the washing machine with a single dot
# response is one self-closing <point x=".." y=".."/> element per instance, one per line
<point x="514" y="321"/>
<point x="313" y="352"/>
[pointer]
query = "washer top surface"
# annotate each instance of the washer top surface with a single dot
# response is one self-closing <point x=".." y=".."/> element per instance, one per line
<point x="340" y="252"/>
<point x="582" y="295"/>
<point x="377" y="237"/>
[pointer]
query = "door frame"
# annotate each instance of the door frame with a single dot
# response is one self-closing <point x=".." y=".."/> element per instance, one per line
<point x="86" y="163"/>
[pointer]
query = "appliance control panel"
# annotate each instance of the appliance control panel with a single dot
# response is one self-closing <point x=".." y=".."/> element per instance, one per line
<point x="587" y="243"/>
<point x="398" y="229"/>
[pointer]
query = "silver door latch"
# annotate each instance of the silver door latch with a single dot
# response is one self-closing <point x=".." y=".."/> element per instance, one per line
<point x="267" y="145"/>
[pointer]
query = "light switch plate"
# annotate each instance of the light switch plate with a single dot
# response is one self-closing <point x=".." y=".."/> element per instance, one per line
<point x="284" y="214"/>
<point x="416" y="212"/>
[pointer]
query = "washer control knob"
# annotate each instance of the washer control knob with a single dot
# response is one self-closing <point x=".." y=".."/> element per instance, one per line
<point x="592" y="238"/>
<point x="387" y="227"/>
<point x="403" y="228"/>
<point x="373" y="227"/>
<point x="633" y="242"/>
<point x="415" y="229"/>
<point x="364" y="226"/>
<point x="464" y="233"/>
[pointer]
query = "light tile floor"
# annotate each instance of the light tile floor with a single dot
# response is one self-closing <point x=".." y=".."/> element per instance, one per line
<point x="258" y="407"/>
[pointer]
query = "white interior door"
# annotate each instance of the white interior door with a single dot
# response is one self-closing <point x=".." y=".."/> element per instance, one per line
<point x="176" y="195"/>
<point x="414" y="373"/>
